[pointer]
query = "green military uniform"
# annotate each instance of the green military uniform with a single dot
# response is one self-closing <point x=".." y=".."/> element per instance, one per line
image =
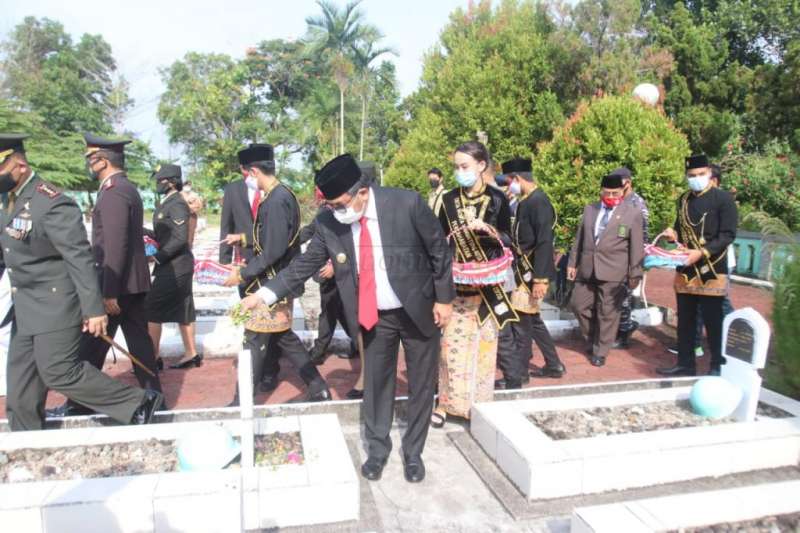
<point x="54" y="288"/>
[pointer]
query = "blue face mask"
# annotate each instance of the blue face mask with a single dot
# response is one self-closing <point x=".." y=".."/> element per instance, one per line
<point x="698" y="183"/>
<point x="466" y="178"/>
<point x="515" y="188"/>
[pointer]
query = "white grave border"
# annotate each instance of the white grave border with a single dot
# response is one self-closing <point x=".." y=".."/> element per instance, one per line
<point x="542" y="467"/>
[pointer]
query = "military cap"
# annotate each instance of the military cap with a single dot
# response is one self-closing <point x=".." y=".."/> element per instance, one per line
<point x="10" y="143"/>
<point x="368" y="171"/>
<point x="167" y="171"/>
<point x="611" y="181"/>
<point x="338" y="176"/>
<point x="519" y="167"/>
<point x="697" y="161"/>
<point x="95" y="143"/>
<point x="256" y="152"/>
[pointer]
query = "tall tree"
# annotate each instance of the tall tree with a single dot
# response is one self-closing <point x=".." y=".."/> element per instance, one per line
<point x="365" y="53"/>
<point x="334" y="34"/>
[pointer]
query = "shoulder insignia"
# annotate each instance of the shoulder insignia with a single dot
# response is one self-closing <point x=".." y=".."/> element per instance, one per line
<point x="108" y="183"/>
<point x="179" y="222"/>
<point x="47" y="190"/>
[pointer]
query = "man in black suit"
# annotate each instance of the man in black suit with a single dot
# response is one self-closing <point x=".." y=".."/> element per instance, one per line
<point x="393" y="269"/>
<point x="240" y="207"/>
<point x="118" y="246"/>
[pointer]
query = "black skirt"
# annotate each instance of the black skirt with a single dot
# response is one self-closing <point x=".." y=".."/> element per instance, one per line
<point x="170" y="299"/>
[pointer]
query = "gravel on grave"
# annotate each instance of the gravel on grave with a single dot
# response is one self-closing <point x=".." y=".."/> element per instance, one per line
<point x="789" y="523"/>
<point x="601" y="421"/>
<point x="129" y="459"/>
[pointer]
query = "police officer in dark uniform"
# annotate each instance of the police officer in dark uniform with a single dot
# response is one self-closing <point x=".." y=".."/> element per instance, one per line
<point x="170" y="298"/>
<point x="275" y="241"/>
<point x="55" y="294"/>
<point x="706" y="224"/>
<point x="532" y="239"/>
<point x="118" y="245"/>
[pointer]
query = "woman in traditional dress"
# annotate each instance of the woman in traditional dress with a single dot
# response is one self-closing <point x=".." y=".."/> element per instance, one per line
<point x="477" y="219"/>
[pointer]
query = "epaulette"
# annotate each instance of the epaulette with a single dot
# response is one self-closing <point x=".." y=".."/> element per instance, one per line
<point x="108" y="183"/>
<point x="47" y="190"/>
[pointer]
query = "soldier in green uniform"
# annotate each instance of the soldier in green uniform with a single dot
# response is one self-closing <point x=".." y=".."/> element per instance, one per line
<point x="56" y="295"/>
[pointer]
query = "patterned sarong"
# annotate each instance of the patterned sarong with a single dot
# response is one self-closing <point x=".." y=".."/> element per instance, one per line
<point x="467" y="363"/>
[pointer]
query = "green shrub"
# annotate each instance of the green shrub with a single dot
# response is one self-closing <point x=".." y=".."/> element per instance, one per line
<point x="603" y="134"/>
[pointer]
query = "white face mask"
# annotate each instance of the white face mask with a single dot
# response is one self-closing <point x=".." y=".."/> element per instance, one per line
<point x="349" y="215"/>
<point x="515" y="188"/>
<point x="699" y="183"/>
<point x="251" y="183"/>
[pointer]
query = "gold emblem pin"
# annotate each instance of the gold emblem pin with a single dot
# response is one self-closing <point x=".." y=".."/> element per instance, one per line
<point x="161" y="215"/>
<point x="341" y="259"/>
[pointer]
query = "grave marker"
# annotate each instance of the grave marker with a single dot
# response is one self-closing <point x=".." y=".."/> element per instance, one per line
<point x="745" y="340"/>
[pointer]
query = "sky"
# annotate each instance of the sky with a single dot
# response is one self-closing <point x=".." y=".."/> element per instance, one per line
<point x="147" y="34"/>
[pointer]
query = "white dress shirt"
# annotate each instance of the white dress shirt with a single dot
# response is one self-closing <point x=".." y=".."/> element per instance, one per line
<point x="603" y="209"/>
<point x="387" y="298"/>
<point x="251" y="193"/>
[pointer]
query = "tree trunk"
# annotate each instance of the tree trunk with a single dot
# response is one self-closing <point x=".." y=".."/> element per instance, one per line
<point x="363" y="125"/>
<point x="341" y="121"/>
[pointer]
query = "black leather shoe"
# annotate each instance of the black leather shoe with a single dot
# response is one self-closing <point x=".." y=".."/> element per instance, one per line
<point x="195" y="361"/>
<point x="160" y="364"/>
<point x="414" y="469"/>
<point x="624" y="337"/>
<point x="597" y="360"/>
<point x="322" y="396"/>
<point x="715" y="371"/>
<point x="68" y="409"/>
<point x="268" y="384"/>
<point x="317" y="357"/>
<point x="144" y="413"/>
<point x="677" y="370"/>
<point x="352" y="354"/>
<point x="355" y="394"/>
<point x="373" y="468"/>
<point x="500" y="384"/>
<point x="548" y="372"/>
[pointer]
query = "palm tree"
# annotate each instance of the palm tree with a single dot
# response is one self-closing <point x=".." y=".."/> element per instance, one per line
<point x="364" y="53"/>
<point x="334" y="33"/>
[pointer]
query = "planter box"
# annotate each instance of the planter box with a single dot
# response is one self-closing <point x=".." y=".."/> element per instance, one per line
<point x="670" y="513"/>
<point x="545" y="468"/>
<point x="224" y="500"/>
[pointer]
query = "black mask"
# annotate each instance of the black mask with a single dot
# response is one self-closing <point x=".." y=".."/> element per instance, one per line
<point x="434" y="183"/>
<point x="7" y="182"/>
<point x="92" y="174"/>
<point x="162" y="187"/>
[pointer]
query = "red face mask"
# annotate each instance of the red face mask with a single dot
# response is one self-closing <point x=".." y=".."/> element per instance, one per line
<point x="610" y="202"/>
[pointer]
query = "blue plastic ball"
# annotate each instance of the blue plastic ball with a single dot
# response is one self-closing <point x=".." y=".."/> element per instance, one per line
<point x="209" y="447"/>
<point x="715" y="397"/>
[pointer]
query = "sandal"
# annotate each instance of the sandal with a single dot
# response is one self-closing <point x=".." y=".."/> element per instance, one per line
<point x="438" y="419"/>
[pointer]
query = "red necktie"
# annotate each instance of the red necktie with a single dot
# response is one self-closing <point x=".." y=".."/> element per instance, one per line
<point x="367" y="297"/>
<point x="254" y="207"/>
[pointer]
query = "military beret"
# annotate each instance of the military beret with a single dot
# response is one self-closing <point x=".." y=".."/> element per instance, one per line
<point x="368" y="171"/>
<point x="256" y="152"/>
<point x="622" y="172"/>
<point x="338" y="176"/>
<point x="167" y="171"/>
<point x="697" y="161"/>
<point x="10" y="143"/>
<point x="95" y="143"/>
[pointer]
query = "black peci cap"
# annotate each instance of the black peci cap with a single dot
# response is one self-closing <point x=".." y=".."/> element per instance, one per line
<point x="338" y="176"/>
<point x="255" y="153"/>
<point x="697" y="161"/>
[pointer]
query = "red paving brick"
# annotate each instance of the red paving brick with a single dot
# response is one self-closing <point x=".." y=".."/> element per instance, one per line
<point x="212" y="385"/>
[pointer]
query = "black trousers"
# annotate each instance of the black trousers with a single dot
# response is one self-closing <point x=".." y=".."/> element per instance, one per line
<point x="530" y="328"/>
<point x="710" y="307"/>
<point x="133" y="321"/>
<point x="267" y="347"/>
<point x="331" y="312"/>
<point x="381" y="345"/>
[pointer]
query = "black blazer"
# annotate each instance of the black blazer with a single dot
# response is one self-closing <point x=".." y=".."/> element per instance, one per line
<point x="416" y="255"/>
<point x="533" y="232"/>
<point x="171" y="231"/>
<point x="236" y="218"/>
<point x="118" y="238"/>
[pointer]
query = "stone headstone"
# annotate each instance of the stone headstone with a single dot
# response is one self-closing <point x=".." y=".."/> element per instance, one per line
<point x="745" y="341"/>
